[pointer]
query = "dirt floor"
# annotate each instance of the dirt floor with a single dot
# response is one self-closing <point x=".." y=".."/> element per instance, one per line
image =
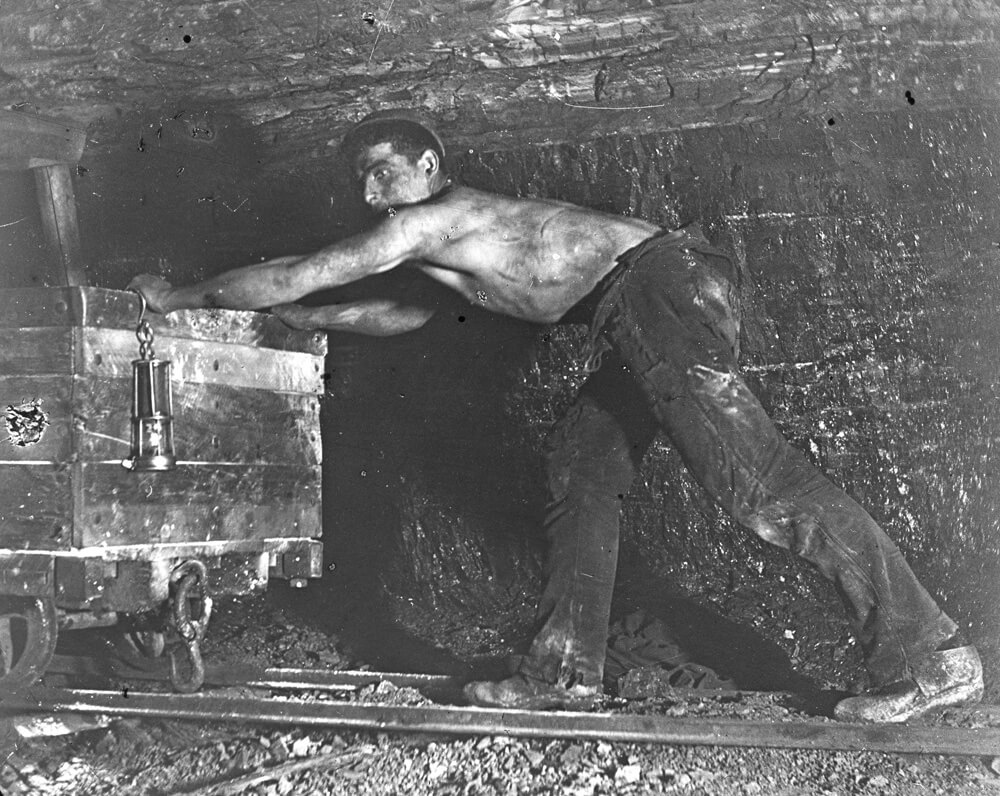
<point x="283" y="628"/>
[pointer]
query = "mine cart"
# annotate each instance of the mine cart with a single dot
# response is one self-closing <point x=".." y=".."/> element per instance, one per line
<point x="107" y="521"/>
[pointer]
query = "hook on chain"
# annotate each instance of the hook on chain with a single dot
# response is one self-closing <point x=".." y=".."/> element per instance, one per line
<point x="143" y="331"/>
<point x="190" y="581"/>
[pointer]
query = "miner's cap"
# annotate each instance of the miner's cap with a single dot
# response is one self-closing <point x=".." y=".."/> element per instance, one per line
<point x="394" y="116"/>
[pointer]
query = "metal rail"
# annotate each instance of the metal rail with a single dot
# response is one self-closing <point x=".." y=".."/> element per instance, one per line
<point x="443" y="687"/>
<point x="250" y="676"/>
<point x="807" y="734"/>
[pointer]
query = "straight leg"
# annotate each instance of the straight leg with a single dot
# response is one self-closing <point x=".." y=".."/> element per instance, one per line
<point x="594" y="453"/>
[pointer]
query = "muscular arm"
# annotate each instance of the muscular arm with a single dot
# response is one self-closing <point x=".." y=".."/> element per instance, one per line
<point x="375" y="317"/>
<point x="286" y="279"/>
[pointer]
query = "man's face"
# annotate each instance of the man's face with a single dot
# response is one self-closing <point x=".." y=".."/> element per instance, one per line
<point x="387" y="179"/>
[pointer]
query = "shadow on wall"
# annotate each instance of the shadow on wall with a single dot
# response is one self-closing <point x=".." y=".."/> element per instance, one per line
<point x="432" y="498"/>
<point x="25" y="257"/>
<point x="186" y="191"/>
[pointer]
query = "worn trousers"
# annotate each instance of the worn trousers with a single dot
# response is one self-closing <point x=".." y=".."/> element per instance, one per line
<point x="666" y="321"/>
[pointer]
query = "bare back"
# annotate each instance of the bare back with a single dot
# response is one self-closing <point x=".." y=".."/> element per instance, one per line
<point x="529" y="258"/>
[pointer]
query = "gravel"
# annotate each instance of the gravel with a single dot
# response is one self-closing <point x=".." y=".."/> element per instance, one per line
<point x="132" y="756"/>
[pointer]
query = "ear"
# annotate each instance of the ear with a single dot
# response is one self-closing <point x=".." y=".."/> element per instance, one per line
<point x="429" y="162"/>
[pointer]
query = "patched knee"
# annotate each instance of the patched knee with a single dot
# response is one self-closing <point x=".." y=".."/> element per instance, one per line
<point x="775" y="524"/>
<point x="720" y="386"/>
<point x="773" y="531"/>
<point x="783" y="526"/>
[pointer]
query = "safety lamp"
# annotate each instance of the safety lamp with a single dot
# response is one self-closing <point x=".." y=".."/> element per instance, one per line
<point x="152" y="405"/>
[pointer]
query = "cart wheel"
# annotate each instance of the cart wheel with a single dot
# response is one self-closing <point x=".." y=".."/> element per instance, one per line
<point x="28" y="633"/>
<point x="138" y="649"/>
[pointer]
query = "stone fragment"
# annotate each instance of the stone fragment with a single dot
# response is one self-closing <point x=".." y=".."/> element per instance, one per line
<point x="629" y="774"/>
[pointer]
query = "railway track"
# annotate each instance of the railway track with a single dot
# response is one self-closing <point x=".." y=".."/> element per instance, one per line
<point x="315" y="698"/>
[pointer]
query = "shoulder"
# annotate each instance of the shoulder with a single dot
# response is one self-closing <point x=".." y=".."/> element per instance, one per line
<point x="416" y="220"/>
<point x="440" y="210"/>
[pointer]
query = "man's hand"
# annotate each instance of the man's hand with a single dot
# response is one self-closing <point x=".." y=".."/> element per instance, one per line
<point x="155" y="290"/>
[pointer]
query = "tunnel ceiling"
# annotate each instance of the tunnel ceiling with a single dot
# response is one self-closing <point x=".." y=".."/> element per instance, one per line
<point x="497" y="74"/>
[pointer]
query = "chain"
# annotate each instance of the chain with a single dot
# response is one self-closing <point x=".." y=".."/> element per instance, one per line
<point x="143" y="332"/>
<point x="191" y="576"/>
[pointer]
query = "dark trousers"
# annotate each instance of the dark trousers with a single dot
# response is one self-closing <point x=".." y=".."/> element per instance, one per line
<point x="669" y="322"/>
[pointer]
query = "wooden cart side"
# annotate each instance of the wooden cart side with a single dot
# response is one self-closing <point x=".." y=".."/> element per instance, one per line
<point x="36" y="472"/>
<point x="88" y="307"/>
<point x="108" y="354"/>
<point x="212" y="423"/>
<point x="36" y="506"/>
<point x="197" y="503"/>
<point x="246" y="424"/>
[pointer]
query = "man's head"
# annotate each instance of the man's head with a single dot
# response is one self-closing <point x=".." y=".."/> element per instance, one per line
<point x="396" y="157"/>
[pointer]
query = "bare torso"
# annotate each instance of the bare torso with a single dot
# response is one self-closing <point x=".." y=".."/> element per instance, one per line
<point x="529" y="258"/>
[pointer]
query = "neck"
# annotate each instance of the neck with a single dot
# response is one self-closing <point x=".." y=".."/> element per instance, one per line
<point x="440" y="182"/>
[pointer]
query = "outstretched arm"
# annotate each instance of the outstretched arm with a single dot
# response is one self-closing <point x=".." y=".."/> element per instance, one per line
<point x="286" y="279"/>
<point x="375" y="317"/>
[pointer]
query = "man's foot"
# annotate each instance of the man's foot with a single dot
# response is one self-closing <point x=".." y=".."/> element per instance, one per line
<point x="525" y="693"/>
<point x="943" y="679"/>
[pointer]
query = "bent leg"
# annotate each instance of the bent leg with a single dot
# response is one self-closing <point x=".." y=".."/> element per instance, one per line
<point x="685" y="361"/>
<point x="594" y="452"/>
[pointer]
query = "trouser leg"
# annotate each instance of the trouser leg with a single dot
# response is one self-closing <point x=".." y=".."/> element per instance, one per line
<point x="685" y="361"/>
<point x="594" y="452"/>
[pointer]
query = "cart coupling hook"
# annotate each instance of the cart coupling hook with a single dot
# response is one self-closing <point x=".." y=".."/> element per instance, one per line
<point x="191" y="576"/>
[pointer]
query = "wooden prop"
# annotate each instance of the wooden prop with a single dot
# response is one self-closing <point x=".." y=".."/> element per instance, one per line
<point x="57" y="203"/>
<point x="50" y="148"/>
<point x="28" y="141"/>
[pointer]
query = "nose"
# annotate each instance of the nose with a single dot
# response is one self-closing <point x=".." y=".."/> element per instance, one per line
<point x="370" y="193"/>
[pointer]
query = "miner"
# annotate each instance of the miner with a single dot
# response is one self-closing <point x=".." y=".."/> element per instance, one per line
<point x="663" y="347"/>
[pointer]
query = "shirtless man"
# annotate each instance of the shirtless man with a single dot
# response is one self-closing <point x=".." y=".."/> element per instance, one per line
<point x="663" y="313"/>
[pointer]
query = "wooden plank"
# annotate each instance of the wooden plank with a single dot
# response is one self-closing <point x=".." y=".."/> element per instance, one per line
<point x="57" y="203"/>
<point x="212" y="423"/>
<point x="239" y="328"/>
<point x="30" y="141"/>
<point x="36" y="508"/>
<point x="196" y="503"/>
<point x="25" y="307"/>
<point x="119" y="309"/>
<point x="90" y="417"/>
<point x="108" y="354"/>
<point x="167" y="552"/>
<point x="27" y="575"/>
<point x="219" y="423"/>
<point x="31" y="352"/>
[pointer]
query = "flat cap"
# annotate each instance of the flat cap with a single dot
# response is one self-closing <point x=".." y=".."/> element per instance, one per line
<point x="404" y="115"/>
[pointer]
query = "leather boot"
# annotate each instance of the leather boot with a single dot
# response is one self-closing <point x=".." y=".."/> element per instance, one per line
<point x="942" y="679"/>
